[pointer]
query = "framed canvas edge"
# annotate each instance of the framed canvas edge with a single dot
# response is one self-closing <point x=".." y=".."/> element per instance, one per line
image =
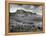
<point x="7" y="19"/>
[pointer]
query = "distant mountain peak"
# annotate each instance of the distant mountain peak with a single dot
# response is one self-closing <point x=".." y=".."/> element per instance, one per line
<point x="23" y="11"/>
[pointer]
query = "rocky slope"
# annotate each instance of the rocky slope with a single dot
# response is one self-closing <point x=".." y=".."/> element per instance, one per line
<point x="25" y="21"/>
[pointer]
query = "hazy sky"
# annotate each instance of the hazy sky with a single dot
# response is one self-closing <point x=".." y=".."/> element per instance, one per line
<point x="31" y="8"/>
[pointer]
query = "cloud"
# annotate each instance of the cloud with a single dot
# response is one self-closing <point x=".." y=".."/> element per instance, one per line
<point x="31" y="8"/>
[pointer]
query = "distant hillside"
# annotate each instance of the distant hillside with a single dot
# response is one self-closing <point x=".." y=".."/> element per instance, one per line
<point x="30" y="15"/>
